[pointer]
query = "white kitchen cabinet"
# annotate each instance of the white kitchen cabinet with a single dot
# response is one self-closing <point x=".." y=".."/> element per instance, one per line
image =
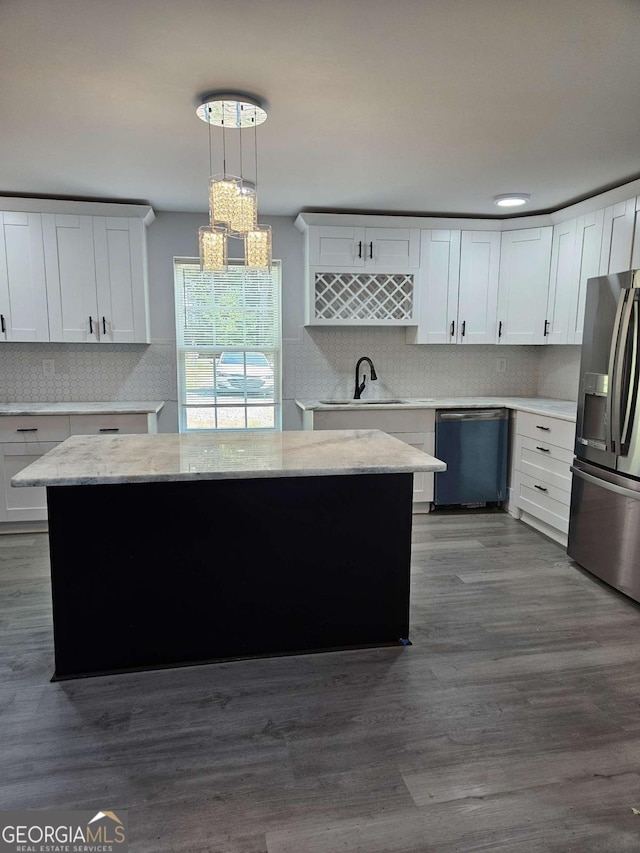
<point x="438" y="283"/>
<point x="381" y="249"/>
<point x="525" y="258"/>
<point x="413" y="426"/>
<point x="478" y="289"/>
<point x="562" y="285"/>
<point x="96" y="279"/>
<point x="23" y="295"/>
<point x="24" y="438"/>
<point x="586" y="259"/>
<point x="617" y="239"/>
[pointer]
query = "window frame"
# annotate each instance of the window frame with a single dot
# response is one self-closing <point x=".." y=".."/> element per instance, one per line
<point x="273" y="353"/>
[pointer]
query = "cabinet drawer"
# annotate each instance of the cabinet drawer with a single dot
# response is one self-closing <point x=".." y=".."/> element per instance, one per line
<point x="108" y="424"/>
<point x="551" y="506"/>
<point x="543" y="461"/>
<point x="21" y="428"/>
<point x="553" y="430"/>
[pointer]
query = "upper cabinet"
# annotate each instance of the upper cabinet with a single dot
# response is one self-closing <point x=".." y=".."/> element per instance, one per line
<point x="586" y="264"/>
<point x="525" y="258"/>
<point x="617" y="238"/>
<point x="457" y="287"/>
<point x="73" y="278"/>
<point x="386" y="249"/>
<point x="23" y="296"/>
<point x="96" y="279"/>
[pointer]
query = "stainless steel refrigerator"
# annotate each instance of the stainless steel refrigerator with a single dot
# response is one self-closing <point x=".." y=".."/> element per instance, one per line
<point x="604" y="525"/>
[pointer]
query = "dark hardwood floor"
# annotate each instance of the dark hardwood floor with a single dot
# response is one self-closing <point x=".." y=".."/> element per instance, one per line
<point x="511" y="724"/>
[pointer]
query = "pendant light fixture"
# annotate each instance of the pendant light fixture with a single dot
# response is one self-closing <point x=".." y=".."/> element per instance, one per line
<point x="233" y="199"/>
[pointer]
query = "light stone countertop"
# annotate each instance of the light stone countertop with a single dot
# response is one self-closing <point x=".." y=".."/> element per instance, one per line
<point x="110" y="408"/>
<point x="563" y="409"/>
<point x="93" y="460"/>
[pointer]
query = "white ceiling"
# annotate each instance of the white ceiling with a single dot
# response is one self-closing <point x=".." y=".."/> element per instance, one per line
<point x="423" y="106"/>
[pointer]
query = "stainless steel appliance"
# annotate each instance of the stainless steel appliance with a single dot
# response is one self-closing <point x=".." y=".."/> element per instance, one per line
<point x="604" y="525"/>
<point x="474" y="444"/>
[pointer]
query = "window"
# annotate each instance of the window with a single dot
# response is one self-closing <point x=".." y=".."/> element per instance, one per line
<point x="228" y="333"/>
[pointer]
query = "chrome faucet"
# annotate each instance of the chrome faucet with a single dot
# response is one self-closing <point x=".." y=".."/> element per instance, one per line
<point x="360" y="385"/>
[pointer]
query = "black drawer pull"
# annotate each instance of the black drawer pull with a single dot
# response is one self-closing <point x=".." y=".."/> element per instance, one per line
<point x="500" y="329"/>
<point x="453" y="328"/>
<point x="464" y="327"/>
<point x="542" y="489"/>
<point x="2" y="323"/>
<point x="27" y="429"/>
<point x="104" y="326"/>
<point x="543" y="449"/>
<point x="90" y="325"/>
<point x="109" y="429"/>
<point x="544" y="429"/>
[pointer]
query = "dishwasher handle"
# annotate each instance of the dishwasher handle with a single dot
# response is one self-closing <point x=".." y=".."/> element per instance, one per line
<point x="473" y="415"/>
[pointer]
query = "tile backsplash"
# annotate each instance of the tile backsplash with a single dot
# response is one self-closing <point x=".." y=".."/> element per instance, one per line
<point x="87" y="373"/>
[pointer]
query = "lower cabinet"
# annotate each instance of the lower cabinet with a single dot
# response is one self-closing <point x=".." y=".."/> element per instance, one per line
<point x="413" y="426"/>
<point x="542" y="453"/>
<point x="24" y="438"/>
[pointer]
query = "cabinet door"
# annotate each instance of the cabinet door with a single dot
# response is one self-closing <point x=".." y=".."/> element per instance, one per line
<point x="437" y="288"/>
<point x="331" y="247"/>
<point x="71" y="278"/>
<point x="392" y="249"/>
<point x="23" y="504"/>
<point x="23" y="294"/>
<point x="586" y="258"/>
<point x="120" y="279"/>
<point x="617" y="240"/>
<point x="635" y="253"/>
<point x="525" y="258"/>
<point x="563" y="284"/>
<point x="478" y="294"/>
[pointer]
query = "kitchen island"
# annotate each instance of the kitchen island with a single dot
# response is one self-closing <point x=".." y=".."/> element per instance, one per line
<point x="169" y="550"/>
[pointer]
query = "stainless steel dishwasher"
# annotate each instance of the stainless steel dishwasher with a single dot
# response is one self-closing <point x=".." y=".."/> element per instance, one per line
<point x="474" y="444"/>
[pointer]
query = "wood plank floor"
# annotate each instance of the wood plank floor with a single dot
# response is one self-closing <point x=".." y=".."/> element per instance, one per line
<point x="511" y="724"/>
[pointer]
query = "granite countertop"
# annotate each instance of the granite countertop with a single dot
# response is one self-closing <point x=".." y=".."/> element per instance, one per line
<point x="111" y="408"/>
<point x="93" y="460"/>
<point x="562" y="409"/>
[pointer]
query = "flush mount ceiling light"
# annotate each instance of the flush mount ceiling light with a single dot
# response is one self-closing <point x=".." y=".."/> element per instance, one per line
<point x="233" y="199"/>
<point x="511" y="199"/>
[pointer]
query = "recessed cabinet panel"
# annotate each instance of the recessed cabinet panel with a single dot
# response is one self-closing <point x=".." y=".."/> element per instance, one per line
<point x="478" y="294"/>
<point x="336" y="247"/>
<point x="392" y="249"/>
<point x="524" y="285"/>
<point x="23" y="295"/>
<point x="22" y="504"/>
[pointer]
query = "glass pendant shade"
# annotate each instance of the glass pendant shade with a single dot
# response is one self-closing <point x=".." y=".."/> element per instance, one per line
<point x="213" y="248"/>
<point x="257" y="248"/>
<point x="245" y="212"/>
<point x="223" y="195"/>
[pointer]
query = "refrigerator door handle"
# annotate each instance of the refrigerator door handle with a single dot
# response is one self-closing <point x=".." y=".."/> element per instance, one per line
<point x="615" y="374"/>
<point x="631" y="396"/>
<point x="605" y="484"/>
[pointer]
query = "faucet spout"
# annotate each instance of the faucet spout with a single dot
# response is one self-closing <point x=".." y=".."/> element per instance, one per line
<point x="360" y="385"/>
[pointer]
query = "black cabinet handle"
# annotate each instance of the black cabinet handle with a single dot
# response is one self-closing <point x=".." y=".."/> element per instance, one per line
<point x="109" y="429"/>
<point x="90" y="326"/>
<point x="544" y="429"/>
<point x="27" y="429"/>
<point x="453" y="328"/>
<point x="543" y="449"/>
<point x="371" y="250"/>
<point x="500" y="329"/>
<point x="464" y="327"/>
<point x="360" y="249"/>
<point x="542" y="489"/>
<point x="546" y="328"/>
<point x="104" y="326"/>
<point x="3" y="325"/>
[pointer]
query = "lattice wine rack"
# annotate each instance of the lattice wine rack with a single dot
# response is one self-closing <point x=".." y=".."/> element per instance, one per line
<point x="363" y="296"/>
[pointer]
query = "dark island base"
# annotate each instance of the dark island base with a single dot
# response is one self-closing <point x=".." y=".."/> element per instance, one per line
<point x="167" y="574"/>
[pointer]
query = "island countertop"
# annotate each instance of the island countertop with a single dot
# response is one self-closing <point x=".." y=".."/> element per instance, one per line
<point x="100" y="460"/>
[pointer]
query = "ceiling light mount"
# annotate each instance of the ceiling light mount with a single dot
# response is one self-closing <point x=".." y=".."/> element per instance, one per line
<point x="232" y="110"/>
<point x="511" y="199"/>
